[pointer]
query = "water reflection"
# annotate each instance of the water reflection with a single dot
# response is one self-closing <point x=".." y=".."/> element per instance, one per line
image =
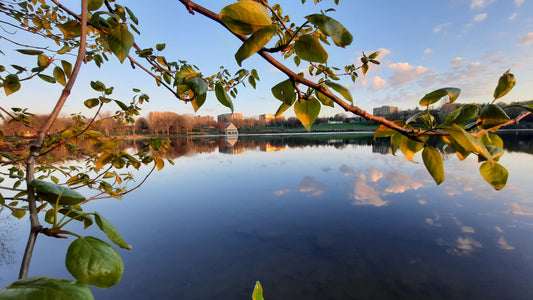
<point x="312" y="217"/>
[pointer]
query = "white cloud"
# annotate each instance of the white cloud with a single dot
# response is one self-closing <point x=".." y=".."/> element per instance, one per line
<point x="441" y="27"/>
<point x="378" y="83"/>
<point x="468" y="229"/>
<point x="367" y="195"/>
<point x="311" y="186"/>
<point x="511" y="18"/>
<point x="428" y="51"/>
<point x="480" y="17"/>
<point x="364" y="82"/>
<point x="478" y="4"/>
<point x="457" y="62"/>
<point x="504" y="245"/>
<point x="432" y="222"/>
<point x="375" y="174"/>
<point x="401" y="182"/>
<point x="527" y="39"/>
<point x="404" y="73"/>
<point x="518" y="3"/>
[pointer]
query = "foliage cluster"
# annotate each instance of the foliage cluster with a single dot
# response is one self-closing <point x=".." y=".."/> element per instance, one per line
<point x="33" y="184"/>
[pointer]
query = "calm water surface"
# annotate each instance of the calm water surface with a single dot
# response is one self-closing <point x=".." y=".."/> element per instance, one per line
<point x="313" y="217"/>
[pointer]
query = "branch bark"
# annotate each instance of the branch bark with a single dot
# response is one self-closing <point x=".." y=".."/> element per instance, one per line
<point x="35" y="149"/>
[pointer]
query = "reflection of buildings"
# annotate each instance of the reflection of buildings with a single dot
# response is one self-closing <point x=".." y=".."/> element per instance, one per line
<point x="229" y="117"/>
<point x="267" y="147"/>
<point x="383" y="148"/>
<point x="384" y="110"/>
<point x="231" y="140"/>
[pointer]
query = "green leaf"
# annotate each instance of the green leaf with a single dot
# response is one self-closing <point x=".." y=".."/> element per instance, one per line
<point x="282" y="108"/>
<point x="331" y="27"/>
<point x="70" y="29"/>
<point x="490" y="139"/>
<point x="19" y="213"/>
<point x="435" y="96"/>
<point x="505" y="85"/>
<point x="526" y="107"/>
<point x="255" y="42"/>
<point x="258" y="292"/>
<point x="120" y="41"/>
<point x="433" y="162"/>
<point x="90" y="103"/>
<point x="222" y="96"/>
<point x="374" y="55"/>
<point x="98" y="86"/>
<point x="340" y="89"/>
<point x="111" y="232"/>
<point x="132" y="16"/>
<point x="308" y="48"/>
<point x="492" y="115"/>
<point x="160" y="47"/>
<point x="409" y="147"/>
<point x="156" y="143"/>
<point x="67" y="67"/>
<point x="494" y="173"/>
<point x="198" y="101"/>
<point x="11" y="84"/>
<point x="325" y="100"/>
<point x="395" y="141"/>
<point x="467" y="142"/>
<point x="245" y="17"/>
<point x="59" y="76"/>
<point x="307" y="111"/>
<point x="53" y="193"/>
<point x="197" y="85"/>
<point x="94" y="4"/>
<point x="30" y="51"/>
<point x="384" y="131"/>
<point x="285" y="92"/>
<point x="46" y="288"/>
<point x="462" y="115"/>
<point x="122" y="105"/>
<point x="47" y="78"/>
<point x="76" y="215"/>
<point x="43" y="61"/>
<point x="364" y="67"/>
<point x="95" y="262"/>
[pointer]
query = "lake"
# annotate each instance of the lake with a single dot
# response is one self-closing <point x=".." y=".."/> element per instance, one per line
<point x="311" y="217"/>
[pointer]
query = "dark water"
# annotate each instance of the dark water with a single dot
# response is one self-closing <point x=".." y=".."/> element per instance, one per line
<point x="312" y="217"/>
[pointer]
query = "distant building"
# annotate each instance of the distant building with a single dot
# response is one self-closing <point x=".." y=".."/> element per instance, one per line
<point x="231" y="130"/>
<point x="229" y="117"/>
<point x="335" y="121"/>
<point x="384" y="110"/>
<point x="269" y="117"/>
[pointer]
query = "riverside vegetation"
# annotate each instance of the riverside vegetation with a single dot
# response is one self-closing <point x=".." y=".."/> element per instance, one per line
<point x="40" y="186"/>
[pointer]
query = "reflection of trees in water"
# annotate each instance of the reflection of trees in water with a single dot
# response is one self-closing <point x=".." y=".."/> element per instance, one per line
<point x="518" y="141"/>
<point x="187" y="146"/>
<point x="6" y="232"/>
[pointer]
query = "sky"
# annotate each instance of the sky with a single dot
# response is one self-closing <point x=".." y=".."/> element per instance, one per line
<point x="425" y="45"/>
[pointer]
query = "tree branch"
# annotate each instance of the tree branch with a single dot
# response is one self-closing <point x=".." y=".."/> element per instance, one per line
<point x="38" y="143"/>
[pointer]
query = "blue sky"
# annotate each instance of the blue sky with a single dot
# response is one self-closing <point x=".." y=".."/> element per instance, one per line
<point x="425" y="45"/>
